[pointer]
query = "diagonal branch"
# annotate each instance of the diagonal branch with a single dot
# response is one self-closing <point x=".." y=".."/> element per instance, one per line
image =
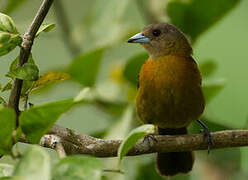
<point x="26" y="46"/>
<point x="66" y="34"/>
<point x="76" y="143"/>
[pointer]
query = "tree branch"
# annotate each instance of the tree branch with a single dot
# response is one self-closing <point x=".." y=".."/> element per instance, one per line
<point x="76" y="143"/>
<point x="26" y="47"/>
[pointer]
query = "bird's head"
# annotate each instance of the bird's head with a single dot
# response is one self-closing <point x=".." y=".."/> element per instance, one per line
<point x="163" y="39"/>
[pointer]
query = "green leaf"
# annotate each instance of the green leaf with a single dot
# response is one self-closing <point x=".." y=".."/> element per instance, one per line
<point x="14" y="63"/>
<point x="2" y="101"/>
<point x="133" y="137"/>
<point x="85" y="68"/>
<point x="132" y="68"/>
<point x="37" y="120"/>
<point x="7" y="126"/>
<point x="4" y="38"/>
<point x="28" y="72"/>
<point x="207" y="68"/>
<point x="7" y="24"/>
<point x="78" y="167"/>
<point x="26" y="84"/>
<point x="34" y="165"/>
<point x="6" y="47"/>
<point x="7" y="87"/>
<point x="45" y="28"/>
<point x="212" y="88"/>
<point x="196" y="16"/>
<point x="6" y="170"/>
<point x="9" y="36"/>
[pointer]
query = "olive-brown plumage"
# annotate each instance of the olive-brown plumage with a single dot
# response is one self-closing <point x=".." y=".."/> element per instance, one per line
<point x="169" y="94"/>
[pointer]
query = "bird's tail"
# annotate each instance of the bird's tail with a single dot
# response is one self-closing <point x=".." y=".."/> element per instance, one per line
<point x="172" y="163"/>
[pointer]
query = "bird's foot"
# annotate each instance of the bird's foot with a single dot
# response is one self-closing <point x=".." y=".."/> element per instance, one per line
<point x="149" y="139"/>
<point x="206" y="135"/>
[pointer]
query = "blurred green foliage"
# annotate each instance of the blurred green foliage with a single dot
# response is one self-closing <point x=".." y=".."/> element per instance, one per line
<point x="110" y="68"/>
<point x="194" y="17"/>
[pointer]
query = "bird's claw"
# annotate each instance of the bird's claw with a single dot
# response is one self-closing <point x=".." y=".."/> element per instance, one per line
<point x="148" y="138"/>
<point x="207" y="136"/>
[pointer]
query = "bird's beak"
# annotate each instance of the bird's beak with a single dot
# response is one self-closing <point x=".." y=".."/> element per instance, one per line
<point x="139" y="38"/>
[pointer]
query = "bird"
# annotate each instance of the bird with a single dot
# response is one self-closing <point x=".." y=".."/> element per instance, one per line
<point x="170" y="92"/>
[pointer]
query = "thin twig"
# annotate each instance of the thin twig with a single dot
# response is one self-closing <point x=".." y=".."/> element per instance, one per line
<point x="62" y="20"/>
<point x="26" y="46"/>
<point x="76" y="143"/>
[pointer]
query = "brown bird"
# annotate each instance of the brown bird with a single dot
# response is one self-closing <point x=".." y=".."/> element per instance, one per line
<point x="170" y="94"/>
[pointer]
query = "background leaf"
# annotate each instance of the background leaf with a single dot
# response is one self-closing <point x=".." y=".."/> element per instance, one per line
<point x="78" y="167"/>
<point x="133" y="137"/>
<point x="7" y="126"/>
<point x="12" y="5"/>
<point x="212" y="88"/>
<point x="34" y="165"/>
<point x="133" y="66"/>
<point x="194" y="17"/>
<point x="6" y="170"/>
<point x="85" y="68"/>
<point x="49" y="78"/>
<point x="37" y="121"/>
<point x="207" y="67"/>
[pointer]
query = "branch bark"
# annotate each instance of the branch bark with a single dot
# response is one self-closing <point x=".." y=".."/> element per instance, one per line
<point x="76" y="143"/>
<point x="26" y="47"/>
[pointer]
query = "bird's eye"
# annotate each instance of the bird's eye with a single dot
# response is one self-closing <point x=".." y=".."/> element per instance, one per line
<point x="156" y="32"/>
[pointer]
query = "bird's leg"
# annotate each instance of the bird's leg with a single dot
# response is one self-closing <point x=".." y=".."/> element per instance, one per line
<point x="206" y="135"/>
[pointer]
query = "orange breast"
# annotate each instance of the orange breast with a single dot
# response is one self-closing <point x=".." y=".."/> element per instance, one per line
<point x="170" y="94"/>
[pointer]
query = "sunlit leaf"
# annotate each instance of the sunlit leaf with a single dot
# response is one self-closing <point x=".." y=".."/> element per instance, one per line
<point x="207" y="67"/>
<point x="7" y="24"/>
<point x="78" y="167"/>
<point x="45" y="28"/>
<point x="133" y="137"/>
<point x="29" y="72"/>
<point x="85" y="68"/>
<point x="133" y="66"/>
<point x="212" y="88"/>
<point x="6" y="170"/>
<point x="34" y="165"/>
<point x="37" y="120"/>
<point x="7" y="126"/>
<point x="196" y="16"/>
